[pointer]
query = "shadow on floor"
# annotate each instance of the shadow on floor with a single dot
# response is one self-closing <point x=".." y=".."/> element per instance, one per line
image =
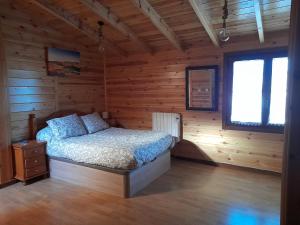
<point x="189" y="150"/>
<point x="181" y="178"/>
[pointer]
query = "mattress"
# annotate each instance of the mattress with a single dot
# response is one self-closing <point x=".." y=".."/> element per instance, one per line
<point x="113" y="148"/>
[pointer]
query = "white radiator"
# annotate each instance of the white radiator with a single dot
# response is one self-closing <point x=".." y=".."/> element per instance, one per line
<point x="167" y="122"/>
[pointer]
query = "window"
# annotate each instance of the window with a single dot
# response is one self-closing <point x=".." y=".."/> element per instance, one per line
<point x="255" y="90"/>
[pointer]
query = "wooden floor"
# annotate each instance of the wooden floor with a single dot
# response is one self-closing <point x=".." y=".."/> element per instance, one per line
<point x="189" y="194"/>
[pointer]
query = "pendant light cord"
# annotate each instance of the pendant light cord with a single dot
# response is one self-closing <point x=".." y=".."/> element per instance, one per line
<point x="225" y="13"/>
<point x="105" y="84"/>
<point x="100" y="23"/>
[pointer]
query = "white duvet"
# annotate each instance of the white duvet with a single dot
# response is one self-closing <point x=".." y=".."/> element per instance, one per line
<point x="114" y="147"/>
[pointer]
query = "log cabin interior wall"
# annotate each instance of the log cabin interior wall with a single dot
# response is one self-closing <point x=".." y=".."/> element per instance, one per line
<point x="158" y="39"/>
<point x="29" y="87"/>
<point x="142" y="84"/>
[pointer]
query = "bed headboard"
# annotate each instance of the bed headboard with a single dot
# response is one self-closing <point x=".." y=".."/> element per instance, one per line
<point x="36" y="124"/>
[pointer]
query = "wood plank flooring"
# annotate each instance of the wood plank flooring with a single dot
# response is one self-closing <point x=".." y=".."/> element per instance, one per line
<point x="189" y="194"/>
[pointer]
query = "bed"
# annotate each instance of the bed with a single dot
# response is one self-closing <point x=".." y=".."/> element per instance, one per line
<point x="115" y="161"/>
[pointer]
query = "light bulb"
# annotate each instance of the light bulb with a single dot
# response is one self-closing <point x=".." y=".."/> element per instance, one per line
<point x="224" y="35"/>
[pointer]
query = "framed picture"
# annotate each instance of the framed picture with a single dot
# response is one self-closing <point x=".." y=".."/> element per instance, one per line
<point x="61" y="62"/>
<point x="202" y="88"/>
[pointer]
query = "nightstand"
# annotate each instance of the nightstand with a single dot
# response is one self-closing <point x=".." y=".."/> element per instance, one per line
<point x="30" y="160"/>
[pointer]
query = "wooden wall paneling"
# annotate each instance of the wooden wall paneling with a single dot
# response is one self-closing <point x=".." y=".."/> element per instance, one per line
<point x="142" y="84"/>
<point x="139" y="84"/>
<point x="290" y="196"/>
<point x="6" y="170"/>
<point x="30" y="90"/>
<point x="77" y="23"/>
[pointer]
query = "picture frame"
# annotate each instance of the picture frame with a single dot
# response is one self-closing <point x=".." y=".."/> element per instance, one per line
<point x="202" y="88"/>
<point x="62" y="62"/>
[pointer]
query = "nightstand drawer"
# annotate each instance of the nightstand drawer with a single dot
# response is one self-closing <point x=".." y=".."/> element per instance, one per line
<point x="34" y="152"/>
<point x="35" y="171"/>
<point x="33" y="162"/>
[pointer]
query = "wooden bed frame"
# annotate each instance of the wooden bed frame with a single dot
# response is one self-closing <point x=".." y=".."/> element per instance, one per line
<point x="122" y="183"/>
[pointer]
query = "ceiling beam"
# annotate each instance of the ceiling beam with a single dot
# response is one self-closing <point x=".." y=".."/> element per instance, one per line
<point x="114" y="21"/>
<point x="76" y="23"/>
<point x="202" y="16"/>
<point x="259" y="21"/>
<point x="158" y="22"/>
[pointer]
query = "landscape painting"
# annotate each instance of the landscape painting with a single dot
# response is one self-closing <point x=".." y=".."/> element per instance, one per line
<point x="61" y="62"/>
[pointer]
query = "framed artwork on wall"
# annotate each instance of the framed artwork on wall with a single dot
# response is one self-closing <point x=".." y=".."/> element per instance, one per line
<point x="202" y="88"/>
<point x="61" y="62"/>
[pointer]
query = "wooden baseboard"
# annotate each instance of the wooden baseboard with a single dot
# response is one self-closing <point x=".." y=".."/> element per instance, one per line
<point x="225" y="165"/>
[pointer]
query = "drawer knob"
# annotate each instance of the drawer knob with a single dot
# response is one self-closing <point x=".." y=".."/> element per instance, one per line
<point x="35" y="151"/>
<point x="36" y="161"/>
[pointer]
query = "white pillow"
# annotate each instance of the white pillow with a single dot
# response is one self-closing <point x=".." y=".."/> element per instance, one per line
<point x="93" y="122"/>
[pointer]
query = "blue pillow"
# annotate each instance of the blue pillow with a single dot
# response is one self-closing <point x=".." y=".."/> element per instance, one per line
<point x="68" y="126"/>
<point x="93" y="123"/>
<point x="45" y="134"/>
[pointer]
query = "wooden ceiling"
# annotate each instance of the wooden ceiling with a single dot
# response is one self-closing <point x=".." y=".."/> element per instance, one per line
<point x="131" y="27"/>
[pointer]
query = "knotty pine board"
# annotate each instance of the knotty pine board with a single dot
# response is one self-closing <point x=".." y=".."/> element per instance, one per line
<point x="142" y="84"/>
<point x="30" y="89"/>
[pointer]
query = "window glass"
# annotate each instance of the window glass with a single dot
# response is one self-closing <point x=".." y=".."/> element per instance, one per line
<point x="278" y="91"/>
<point x="247" y="92"/>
